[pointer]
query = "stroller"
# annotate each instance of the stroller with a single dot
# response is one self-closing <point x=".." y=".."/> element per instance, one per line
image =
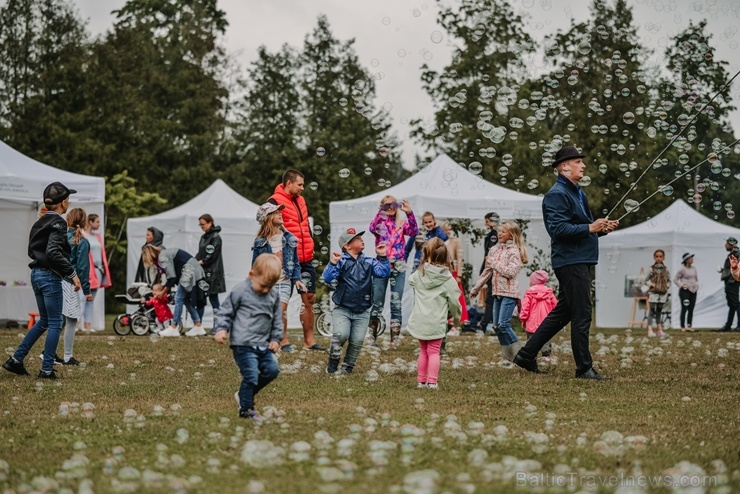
<point x="142" y="320"/>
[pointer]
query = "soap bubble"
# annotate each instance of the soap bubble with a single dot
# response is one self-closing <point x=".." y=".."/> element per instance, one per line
<point x="320" y="151"/>
<point x="344" y="172"/>
<point x="436" y="37"/>
<point x="628" y="118"/>
<point x="631" y="205"/>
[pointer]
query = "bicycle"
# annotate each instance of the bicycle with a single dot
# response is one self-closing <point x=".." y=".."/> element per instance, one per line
<point x="322" y="324"/>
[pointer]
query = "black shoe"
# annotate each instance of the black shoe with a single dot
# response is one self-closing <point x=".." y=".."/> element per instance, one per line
<point x="347" y="369"/>
<point x="11" y="365"/>
<point x="592" y="374"/>
<point x="527" y="364"/>
<point x="722" y="330"/>
<point x="332" y="366"/>
<point x="71" y="361"/>
<point x="50" y="375"/>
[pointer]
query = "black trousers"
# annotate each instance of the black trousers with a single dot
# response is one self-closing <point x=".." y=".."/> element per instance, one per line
<point x="688" y="301"/>
<point x="732" y="290"/>
<point x="574" y="307"/>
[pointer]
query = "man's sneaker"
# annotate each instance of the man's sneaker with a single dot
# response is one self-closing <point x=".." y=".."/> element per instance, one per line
<point x="432" y="385"/>
<point x="332" y="366"/>
<point x="57" y="359"/>
<point x="196" y="331"/>
<point x="15" y="367"/>
<point x="47" y="375"/>
<point x="288" y="348"/>
<point x="71" y="361"/>
<point x="171" y="331"/>
<point x="251" y="414"/>
<point x="421" y="385"/>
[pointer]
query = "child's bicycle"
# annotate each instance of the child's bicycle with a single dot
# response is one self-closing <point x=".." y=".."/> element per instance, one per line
<point x="322" y="323"/>
<point x="142" y="320"/>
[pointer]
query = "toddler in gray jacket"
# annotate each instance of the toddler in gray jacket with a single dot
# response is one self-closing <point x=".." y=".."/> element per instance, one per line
<point x="251" y="319"/>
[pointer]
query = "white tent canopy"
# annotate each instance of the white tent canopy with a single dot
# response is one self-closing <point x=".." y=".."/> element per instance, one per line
<point x="449" y="191"/>
<point x="232" y="212"/>
<point x="676" y="230"/>
<point x="22" y="183"/>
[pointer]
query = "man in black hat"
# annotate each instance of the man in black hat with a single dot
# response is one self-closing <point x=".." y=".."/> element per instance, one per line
<point x="732" y="288"/>
<point x="575" y="248"/>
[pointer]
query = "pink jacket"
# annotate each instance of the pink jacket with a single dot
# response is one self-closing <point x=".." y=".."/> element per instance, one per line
<point x="537" y="303"/>
<point x="386" y="232"/>
<point x="503" y="264"/>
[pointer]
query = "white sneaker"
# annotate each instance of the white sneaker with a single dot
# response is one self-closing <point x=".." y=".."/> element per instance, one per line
<point x="170" y="332"/>
<point x="432" y="385"/>
<point x="196" y="331"/>
<point x="238" y="403"/>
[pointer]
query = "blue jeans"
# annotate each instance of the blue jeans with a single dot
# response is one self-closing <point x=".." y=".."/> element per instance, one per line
<point x="258" y="369"/>
<point x="215" y="304"/>
<point x="47" y="287"/>
<point x="503" y="309"/>
<point x="380" y="285"/>
<point x="183" y="297"/>
<point x="347" y="325"/>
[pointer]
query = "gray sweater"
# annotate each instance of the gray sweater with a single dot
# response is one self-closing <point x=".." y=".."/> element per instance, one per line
<point x="250" y="318"/>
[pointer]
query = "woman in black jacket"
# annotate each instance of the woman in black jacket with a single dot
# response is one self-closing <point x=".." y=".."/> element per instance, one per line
<point x="50" y="266"/>
<point x="210" y="257"/>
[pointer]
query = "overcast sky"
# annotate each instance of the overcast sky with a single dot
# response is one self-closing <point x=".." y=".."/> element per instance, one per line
<point x="392" y="35"/>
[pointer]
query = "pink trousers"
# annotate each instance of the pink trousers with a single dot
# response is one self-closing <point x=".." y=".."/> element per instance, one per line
<point x="428" y="363"/>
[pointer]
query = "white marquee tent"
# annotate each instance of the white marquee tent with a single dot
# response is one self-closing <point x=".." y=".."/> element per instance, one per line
<point x="449" y="191"/>
<point x="232" y="212"/>
<point x="22" y="183"/>
<point x="676" y="230"/>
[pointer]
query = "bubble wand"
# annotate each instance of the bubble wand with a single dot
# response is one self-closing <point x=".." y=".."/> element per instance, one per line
<point x="662" y="187"/>
<point x="675" y="137"/>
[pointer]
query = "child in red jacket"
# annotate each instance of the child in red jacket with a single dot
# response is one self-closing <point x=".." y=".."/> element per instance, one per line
<point x="161" y="307"/>
<point x="538" y="301"/>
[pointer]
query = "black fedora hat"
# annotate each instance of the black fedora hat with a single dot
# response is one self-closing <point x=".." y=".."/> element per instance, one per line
<point x="565" y="154"/>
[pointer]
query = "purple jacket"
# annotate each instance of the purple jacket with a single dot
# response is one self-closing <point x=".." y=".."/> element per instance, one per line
<point x="385" y="230"/>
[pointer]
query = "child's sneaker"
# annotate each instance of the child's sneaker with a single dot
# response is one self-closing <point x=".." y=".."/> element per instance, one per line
<point x="238" y="401"/>
<point x="432" y="385"/>
<point x="251" y="414"/>
<point x="57" y="358"/>
<point x="346" y="369"/>
<point x="332" y="366"/>
<point x="421" y="385"/>
<point x="12" y="365"/>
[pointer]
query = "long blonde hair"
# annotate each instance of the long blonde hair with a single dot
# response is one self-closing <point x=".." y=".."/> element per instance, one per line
<point x="267" y="228"/>
<point x="517" y="238"/>
<point x="77" y="219"/>
<point x="150" y="254"/>
<point x="434" y="252"/>
<point x="399" y="220"/>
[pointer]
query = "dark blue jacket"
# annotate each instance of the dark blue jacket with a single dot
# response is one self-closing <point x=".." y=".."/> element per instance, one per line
<point x="80" y="259"/>
<point x="353" y="279"/>
<point x="291" y="266"/>
<point x="567" y="217"/>
<point x="411" y="242"/>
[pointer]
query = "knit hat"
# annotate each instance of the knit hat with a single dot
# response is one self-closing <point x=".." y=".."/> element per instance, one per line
<point x="539" y="277"/>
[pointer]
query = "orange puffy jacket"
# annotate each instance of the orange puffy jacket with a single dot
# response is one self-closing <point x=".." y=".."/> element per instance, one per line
<point x="295" y="217"/>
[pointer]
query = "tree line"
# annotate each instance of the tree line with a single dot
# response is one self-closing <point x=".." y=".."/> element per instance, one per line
<point x="160" y="108"/>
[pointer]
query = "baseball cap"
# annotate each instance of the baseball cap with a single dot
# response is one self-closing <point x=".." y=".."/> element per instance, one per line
<point x="56" y="192"/>
<point x="348" y="235"/>
<point x="267" y="209"/>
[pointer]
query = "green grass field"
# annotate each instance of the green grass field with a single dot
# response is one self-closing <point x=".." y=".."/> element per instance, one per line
<point x="165" y="420"/>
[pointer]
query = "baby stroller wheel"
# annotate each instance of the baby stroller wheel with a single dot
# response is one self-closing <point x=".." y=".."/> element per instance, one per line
<point x="122" y="324"/>
<point x="323" y="324"/>
<point x="140" y="324"/>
